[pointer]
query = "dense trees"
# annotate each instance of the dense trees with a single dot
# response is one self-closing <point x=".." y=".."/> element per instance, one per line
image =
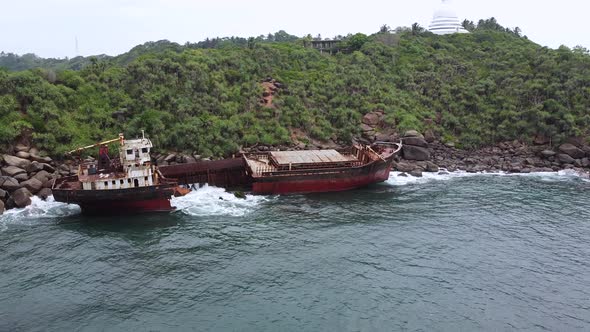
<point x="473" y="89"/>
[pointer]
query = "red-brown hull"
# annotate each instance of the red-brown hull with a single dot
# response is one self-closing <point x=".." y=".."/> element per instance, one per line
<point x="119" y="201"/>
<point x="323" y="182"/>
<point x="127" y="207"/>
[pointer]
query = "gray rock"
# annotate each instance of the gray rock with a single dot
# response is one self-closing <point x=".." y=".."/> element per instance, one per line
<point x="404" y="175"/>
<point x="13" y="171"/>
<point x="572" y="151"/>
<point x="372" y="119"/>
<point x="41" y="159"/>
<point x="48" y="168"/>
<point x="431" y="167"/>
<point x="413" y="133"/>
<point x="34" y="151"/>
<point x="21" y="147"/>
<point x="366" y="128"/>
<point x="415" y="141"/>
<point x="22" y="177"/>
<point x="16" y="161"/>
<point x="22" y="197"/>
<point x="33" y="185"/>
<point x="44" y="193"/>
<point x="416" y="173"/>
<point x="49" y="183"/>
<point x="429" y="136"/>
<point x="42" y="176"/>
<point x="405" y="167"/>
<point x="585" y="162"/>
<point x="9" y="183"/>
<point x="3" y="194"/>
<point x="1" y="207"/>
<point x="35" y="167"/>
<point x="565" y="158"/>
<point x="411" y="152"/>
<point x="23" y="154"/>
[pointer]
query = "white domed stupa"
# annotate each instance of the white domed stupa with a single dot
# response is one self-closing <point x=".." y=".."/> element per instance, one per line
<point x="445" y="21"/>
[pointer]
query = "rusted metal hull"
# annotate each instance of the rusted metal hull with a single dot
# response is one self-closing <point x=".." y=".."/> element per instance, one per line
<point x="119" y="201"/>
<point x="226" y="173"/>
<point x="324" y="181"/>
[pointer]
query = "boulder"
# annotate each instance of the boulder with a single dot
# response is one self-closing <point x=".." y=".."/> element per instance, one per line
<point x="541" y="140"/>
<point x="33" y="185"/>
<point x="49" y="183"/>
<point x="405" y="167"/>
<point x="22" y="197"/>
<point x="13" y="171"/>
<point x="366" y="128"/>
<point x="548" y="153"/>
<point x="416" y="173"/>
<point x="48" y="168"/>
<point x="411" y="152"/>
<point x="1" y="207"/>
<point x="572" y="150"/>
<point x="23" y="154"/>
<point x="21" y="177"/>
<point x="16" y="161"/>
<point x="372" y="119"/>
<point x="415" y="141"/>
<point x="413" y="133"/>
<point x="42" y="176"/>
<point x="41" y="159"/>
<point x="3" y="194"/>
<point x="9" y="183"/>
<point x="35" y="167"/>
<point x="431" y="167"/>
<point x="34" y="151"/>
<point x="565" y="158"/>
<point x="429" y="136"/>
<point x="585" y="162"/>
<point x="44" y="193"/>
<point x="21" y="147"/>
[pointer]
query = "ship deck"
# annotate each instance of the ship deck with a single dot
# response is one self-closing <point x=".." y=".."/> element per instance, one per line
<point x="287" y="161"/>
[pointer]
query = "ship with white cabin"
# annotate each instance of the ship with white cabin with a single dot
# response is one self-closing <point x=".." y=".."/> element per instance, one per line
<point x="128" y="183"/>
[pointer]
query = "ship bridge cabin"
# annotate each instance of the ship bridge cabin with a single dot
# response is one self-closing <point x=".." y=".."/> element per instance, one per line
<point x="132" y="170"/>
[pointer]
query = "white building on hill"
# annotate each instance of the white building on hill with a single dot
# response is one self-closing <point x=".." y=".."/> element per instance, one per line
<point x="445" y="21"/>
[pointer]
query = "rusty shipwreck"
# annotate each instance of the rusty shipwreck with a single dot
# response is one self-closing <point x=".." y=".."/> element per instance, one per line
<point x="128" y="183"/>
<point x="291" y="172"/>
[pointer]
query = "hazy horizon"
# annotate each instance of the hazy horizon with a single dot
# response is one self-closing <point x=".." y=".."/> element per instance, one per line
<point x="114" y="27"/>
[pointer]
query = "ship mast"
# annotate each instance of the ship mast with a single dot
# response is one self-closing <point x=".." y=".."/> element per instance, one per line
<point x="120" y="139"/>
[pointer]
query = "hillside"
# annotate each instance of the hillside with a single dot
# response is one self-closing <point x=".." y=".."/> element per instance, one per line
<point x="471" y="89"/>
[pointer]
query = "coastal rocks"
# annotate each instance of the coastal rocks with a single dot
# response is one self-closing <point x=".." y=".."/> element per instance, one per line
<point x="12" y="171"/>
<point x="22" y="197"/>
<point x="415" y="146"/>
<point x="548" y="153"/>
<point x="572" y="151"/>
<point x="33" y="185"/>
<point x="44" y="193"/>
<point x="565" y="159"/>
<point x="1" y="207"/>
<point x="16" y="161"/>
<point x="8" y="183"/>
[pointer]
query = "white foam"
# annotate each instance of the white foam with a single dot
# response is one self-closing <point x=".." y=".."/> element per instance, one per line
<point x="39" y="209"/>
<point x="396" y="180"/>
<point x="208" y="201"/>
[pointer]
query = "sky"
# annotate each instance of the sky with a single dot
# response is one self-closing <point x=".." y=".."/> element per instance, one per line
<point x="50" y="28"/>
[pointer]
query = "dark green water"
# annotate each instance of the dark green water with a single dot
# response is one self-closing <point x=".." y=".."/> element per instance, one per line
<point x="448" y="253"/>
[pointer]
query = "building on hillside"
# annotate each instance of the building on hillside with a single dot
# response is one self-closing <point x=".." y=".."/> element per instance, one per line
<point x="445" y="20"/>
<point x="325" y="45"/>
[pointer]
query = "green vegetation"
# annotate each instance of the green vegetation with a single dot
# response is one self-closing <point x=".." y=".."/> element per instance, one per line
<point x="476" y="89"/>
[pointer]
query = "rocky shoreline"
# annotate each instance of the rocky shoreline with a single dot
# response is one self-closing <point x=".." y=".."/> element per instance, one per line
<point x="27" y="172"/>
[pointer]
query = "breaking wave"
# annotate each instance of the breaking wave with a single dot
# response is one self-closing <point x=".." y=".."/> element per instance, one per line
<point x="38" y="210"/>
<point x="400" y="179"/>
<point x="208" y="201"/>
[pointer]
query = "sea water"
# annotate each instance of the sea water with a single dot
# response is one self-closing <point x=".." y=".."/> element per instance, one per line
<point x="448" y="252"/>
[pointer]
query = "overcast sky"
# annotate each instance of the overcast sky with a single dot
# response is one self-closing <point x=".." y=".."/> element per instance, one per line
<point x="49" y="28"/>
